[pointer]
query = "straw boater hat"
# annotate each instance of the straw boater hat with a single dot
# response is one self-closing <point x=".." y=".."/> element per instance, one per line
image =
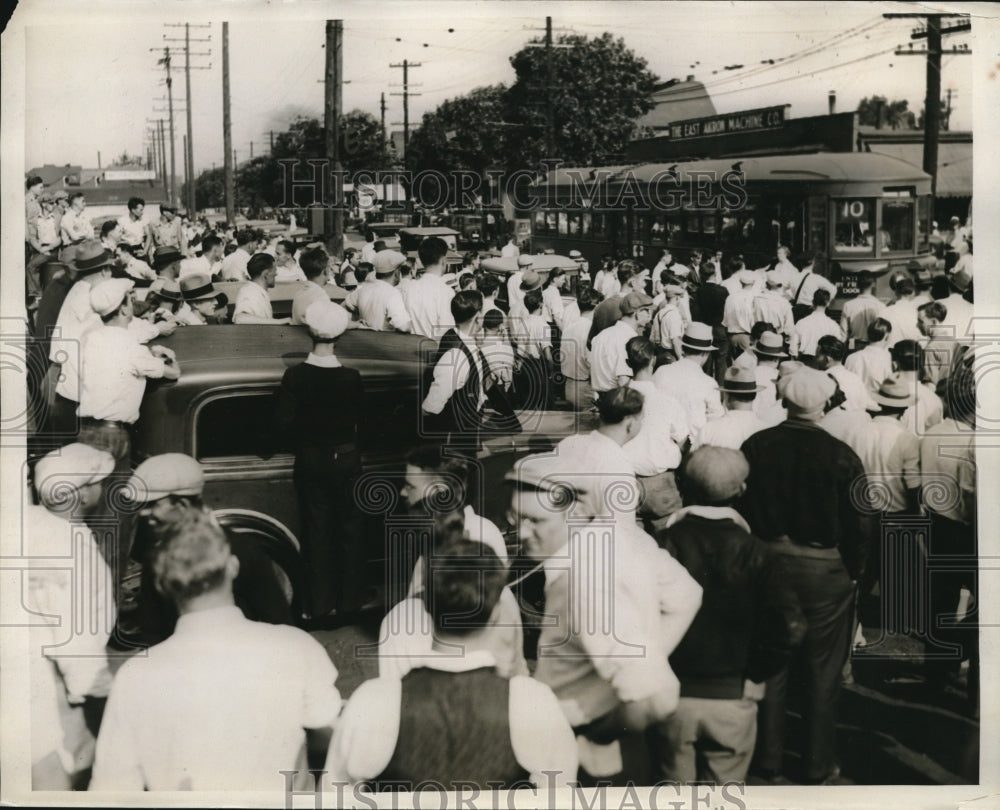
<point x="770" y="345"/>
<point x="698" y="337"/>
<point x="896" y="393"/>
<point x="740" y="380"/>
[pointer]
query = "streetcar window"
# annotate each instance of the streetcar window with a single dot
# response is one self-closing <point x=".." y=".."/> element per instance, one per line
<point x="923" y="223"/>
<point x="574" y="224"/>
<point x="585" y="224"/>
<point x="598" y="226"/>
<point x="897" y="225"/>
<point x="550" y="221"/>
<point x="854" y="226"/>
<point x="674" y="230"/>
<point x="708" y="223"/>
<point x="657" y="228"/>
<point x="563" y="221"/>
<point x="540" y="222"/>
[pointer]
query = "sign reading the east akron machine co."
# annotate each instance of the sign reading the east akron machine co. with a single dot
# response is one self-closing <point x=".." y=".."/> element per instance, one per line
<point x="747" y="121"/>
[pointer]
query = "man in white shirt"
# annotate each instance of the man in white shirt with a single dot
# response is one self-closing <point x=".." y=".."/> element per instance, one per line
<point x="667" y="328"/>
<point x="574" y="355"/>
<point x="510" y="250"/>
<point x="487" y="730"/>
<point x="209" y="263"/>
<point x="687" y="381"/>
<point x="740" y="422"/>
<point x="959" y="311"/>
<point x="379" y="304"/>
<point x="75" y="227"/>
<point x="428" y="298"/>
<point x="609" y="367"/>
<point x="805" y="286"/>
<point x="873" y="364"/>
<point x="928" y="410"/>
<point x="768" y="353"/>
<point x="135" y="229"/>
<point x="204" y="305"/>
<point x="315" y="266"/>
<point x="284" y="260"/>
<point x="860" y="311"/>
<point x="786" y="272"/>
<point x="515" y="295"/>
<point x="809" y="330"/>
<point x="224" y="703"/>
<point x="234" y="266"/>
<point x="902" y="314"/>
<point x="253" y="304"/>
<point x="830" y="352"/>
<point x="738" y="315"/>
<point x="68" y="662"/>
<point x="606" y="691"/>
<point x="772" y="306"/>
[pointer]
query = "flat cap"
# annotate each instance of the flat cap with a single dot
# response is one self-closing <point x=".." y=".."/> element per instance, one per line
<point x="326" y="320"/>
<point x="525" y="261"/>
<point x="64" y="471"/>
<point x="530" y="281"/>
<point x="716" y="473"/>
<point x="386" y="261"/>
<point x="747" y="278"/>
<point x="108" y="295"/>
<point x="807" y="389"/>
<point x="166" y="474"/>
<point x="635" y="301"/>
<point x="548" y="473"/>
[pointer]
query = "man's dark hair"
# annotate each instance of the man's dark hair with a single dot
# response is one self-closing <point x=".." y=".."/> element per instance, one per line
<point x="313" y="262"/>
<point x="832" y="347"/>
<point x="33" y="181"/>
<point x="462" y="584"/>
<point x="432" y="250"/>
<point x="108" y="227"/>
<point x="905" y="286"/>
<point x="940" y="288"/>
<point x="245" y="236"/>
<point x="259" y="263"/>
<point x="288" y="245"/>
<point x="616" y="405"/>
<point x="135" y="202"/>
<point x="733" y="265"/>
<point x="865" y="280"/>
<point x="935" y="310"/>
<point x="492" y="320"/>
<point x="454" y="468"/>
<point x="878" y="329"/>
<point x="465" y="305"/>
<point x="467" y="281"/>
<point x="554" y="273"/>
<point x="639" y="353"/>
<point x="533" y="301"/>
<point x="487" y="283"/>
<point x="821" y="298"/>
<point x="588" y="298"/>
<point x="362" y="271"/>
<point x="759" y="329"/>
<point x="626" y="270"/>
<point x="74" y="196"/>
<point x="908" y="355"/>
<point x="349" y="253"/>
<point x="191" y="557"/>
<point x="210" y="241"/>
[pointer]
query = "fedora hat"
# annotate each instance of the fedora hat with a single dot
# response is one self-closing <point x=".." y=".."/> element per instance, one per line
<point x="896" y="392"/>
<point x="165" y="255"/>
<point x="200" y="288"/>
<point x="771" y="345"/>
<point x="530" y="281"/>
<point x="698" y="337"/>
<point x="168" y="289"/>
<point x="740" y="380"/>
<point x="92" y="256"/>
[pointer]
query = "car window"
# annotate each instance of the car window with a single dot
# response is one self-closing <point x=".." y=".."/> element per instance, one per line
<point x="238" y="424"/>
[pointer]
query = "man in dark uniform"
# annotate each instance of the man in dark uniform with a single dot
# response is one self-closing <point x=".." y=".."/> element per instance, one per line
<point x="320" y="405"/>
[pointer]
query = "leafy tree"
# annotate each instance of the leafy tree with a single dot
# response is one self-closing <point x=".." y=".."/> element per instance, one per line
<point x="895" y="114"/>
<point x="943" y="118"/>
<point x="127" y="161"/>
<point x="209" y="189"/>
<point x="601" y="89"/>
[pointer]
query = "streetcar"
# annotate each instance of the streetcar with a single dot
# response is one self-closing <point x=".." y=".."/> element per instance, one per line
<point x="864" y="211"/>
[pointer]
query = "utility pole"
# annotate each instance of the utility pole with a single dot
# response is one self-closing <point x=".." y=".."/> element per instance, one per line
<point x="382" y="106"/>
<point x="227" y="128"/>
<point x="947" y="112"/>
<point x="550" y="121"/>
<point x="406" y="65"/>
<point x="163" y="160"/>
<point x="251" y="150"/>
<point x="165" y="61"/>
<point x="933" y="33"/>
<point x="272" y="141"/>
<point x="334" y="214"/>
<point x="187" y="170"/>
<point x="188" y="67"/>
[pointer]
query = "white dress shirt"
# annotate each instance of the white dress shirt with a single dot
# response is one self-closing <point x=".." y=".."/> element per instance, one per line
<point x="367" y="733"/>
<point x="772" y="307"/>
<point x="903" y="317"/>
<point x="948" y="462"/>
<point x="533" y="334"/>
<point x="428" y="300"/>
<point x="891" y="457"/>
<point x="848" y="426"/>
<point x="575" y="359"/>
<point x="75" y="227"/>
<point x="368" y="253"/>
<point x="198" y="265"/>
<point x="807" y="284"/>
<point x="615" y="491"/>
<point x="858" y="313"/>
<point x="667" y="325"/>
<point x="253" y="300"/>
<point x="553" y="309"/>
<point x="451" y="373"/>
<point x="873" y="364"/>
<point x="687" y="382"/>
<point x="730" y="430"/>
<point x="767" y="405"/>
<point x="608" y="359"/>
<point x="856" y="392"/>
<point x="928" y="410"/>
<point x="309" y="294"/>
<point x="133" y="230"/>
<point x="76" y="316"/>
<point x="657" y="446"/>
<point x="380" y="306"/>
<point x="114" y="366"/>
<point x="222" y="704"/>
<point x="289" y="272"/>
<point x="808" y="331"/>
<point x="510" y="251"/>
<point x="515" y="298"/>
<point x="738" y="313"/>
<point x="960" y="313"/>
<point x="234" y="266"/>
<point x="499" y="356"/>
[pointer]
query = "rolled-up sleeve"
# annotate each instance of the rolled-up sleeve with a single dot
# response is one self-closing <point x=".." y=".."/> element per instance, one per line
<point x="450" y="374"/>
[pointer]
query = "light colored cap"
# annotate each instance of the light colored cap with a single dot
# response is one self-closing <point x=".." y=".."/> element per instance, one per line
<point x="64" y="471"/>
<point x="386" y="261"/>
<point x="166" y="474"/>
<point x="747" y="278"/>
<point x="575" y="254"/>
<point x="326" y="320"/>
<point x="790" y="367"/>
<point x="108" y="295"/>
<point x="525" y="261"/>
<point x="548" y="473"/>
<point x="806" y="389"/>
<point x="774" y="280"/>
<point x="530" y="281"/>
<point x="635" y="301"/>
<point x="718" y="473"/>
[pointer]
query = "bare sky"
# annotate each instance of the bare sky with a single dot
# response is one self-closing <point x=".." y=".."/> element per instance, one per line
<point x="92" y="81"/>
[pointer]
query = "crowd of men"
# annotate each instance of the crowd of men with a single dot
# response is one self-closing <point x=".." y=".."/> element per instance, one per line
<point x="756" y="469"/>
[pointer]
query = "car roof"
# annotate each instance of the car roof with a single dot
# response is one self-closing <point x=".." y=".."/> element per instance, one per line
<point x="540" y="263"/>
<point x="429" y="231"/>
